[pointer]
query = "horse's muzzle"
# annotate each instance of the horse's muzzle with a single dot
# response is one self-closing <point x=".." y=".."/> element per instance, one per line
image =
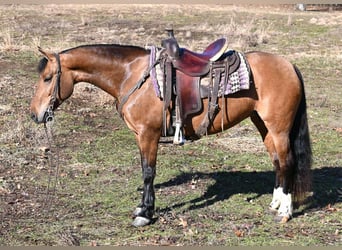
<point x="47" y="117"/>
<point x="34" y="117"/>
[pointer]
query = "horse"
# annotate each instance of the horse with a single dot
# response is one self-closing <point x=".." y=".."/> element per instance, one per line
<point x="275" y="102"/>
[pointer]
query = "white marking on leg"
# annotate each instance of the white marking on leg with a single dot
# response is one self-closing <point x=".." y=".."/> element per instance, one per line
<point x="286" y="207"/>
<point x="276" y="200"/>
<point x="137" y="211"/>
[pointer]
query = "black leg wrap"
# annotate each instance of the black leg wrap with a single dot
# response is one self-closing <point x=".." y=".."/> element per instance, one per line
<point x="143" y="214"/>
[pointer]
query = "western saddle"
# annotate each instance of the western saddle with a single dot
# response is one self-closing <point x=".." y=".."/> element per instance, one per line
<point x="183" y="70"/>
<point x="192" y="63"/>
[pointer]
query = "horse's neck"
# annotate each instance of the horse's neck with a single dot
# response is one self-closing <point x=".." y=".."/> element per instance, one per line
<point x="105" y="72"/>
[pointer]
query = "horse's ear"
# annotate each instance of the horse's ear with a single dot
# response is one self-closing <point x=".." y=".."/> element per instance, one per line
<point x="47" y="55"/>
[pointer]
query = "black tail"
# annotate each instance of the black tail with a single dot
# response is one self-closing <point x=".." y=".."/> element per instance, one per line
<point x="301" y="148"/>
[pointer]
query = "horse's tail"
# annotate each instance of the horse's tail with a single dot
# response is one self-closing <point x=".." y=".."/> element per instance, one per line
<point x="301" y="148"/>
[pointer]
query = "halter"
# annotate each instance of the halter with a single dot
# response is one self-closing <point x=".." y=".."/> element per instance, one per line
<point x="56" y="92"/>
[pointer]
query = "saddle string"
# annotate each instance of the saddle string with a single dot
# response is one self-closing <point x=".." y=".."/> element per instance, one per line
<point x="167" y="89"/>
<point x="224" y="86"/>
<point x="215" y="74"/>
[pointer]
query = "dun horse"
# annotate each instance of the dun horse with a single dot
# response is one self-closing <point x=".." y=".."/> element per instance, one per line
<point x="275" y="102"/>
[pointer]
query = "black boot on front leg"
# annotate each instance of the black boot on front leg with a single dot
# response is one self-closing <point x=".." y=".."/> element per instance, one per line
<point x="143" y="214"/>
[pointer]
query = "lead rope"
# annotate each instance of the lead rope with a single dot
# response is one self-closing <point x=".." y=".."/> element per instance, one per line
<point x="50" y="138"/>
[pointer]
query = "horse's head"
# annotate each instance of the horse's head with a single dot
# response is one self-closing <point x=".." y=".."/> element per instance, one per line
<point x="55" y="85"/>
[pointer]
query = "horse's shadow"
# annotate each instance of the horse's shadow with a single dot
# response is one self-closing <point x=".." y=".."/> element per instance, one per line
<point x="326" y="186"/>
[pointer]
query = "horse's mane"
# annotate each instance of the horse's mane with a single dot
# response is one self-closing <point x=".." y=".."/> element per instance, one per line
<point x="43" y="62"/>
<point x="104" y="46"/>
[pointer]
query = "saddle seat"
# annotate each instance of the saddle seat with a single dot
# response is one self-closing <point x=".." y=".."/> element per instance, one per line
<point x="213" y="52"/>
<point x="192" y="63"/>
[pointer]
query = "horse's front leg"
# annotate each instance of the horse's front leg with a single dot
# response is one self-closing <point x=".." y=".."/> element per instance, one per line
<point x="148" y="145"/>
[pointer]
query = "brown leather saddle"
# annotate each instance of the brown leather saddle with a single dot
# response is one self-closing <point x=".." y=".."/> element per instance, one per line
<point x="186" y="68"/>
<point x="192" y="66"/>
<point x="192" y="63"/>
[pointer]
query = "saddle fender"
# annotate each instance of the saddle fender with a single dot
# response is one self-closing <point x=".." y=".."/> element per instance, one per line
<point x="187" y="89"/>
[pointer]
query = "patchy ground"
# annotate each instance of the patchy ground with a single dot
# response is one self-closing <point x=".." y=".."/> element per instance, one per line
<point x="81" y="187"/>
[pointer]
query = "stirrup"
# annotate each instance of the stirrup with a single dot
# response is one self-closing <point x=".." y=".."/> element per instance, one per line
<point x="178" y="138"/>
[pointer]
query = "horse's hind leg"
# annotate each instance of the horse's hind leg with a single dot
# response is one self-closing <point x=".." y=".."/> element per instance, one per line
<point x="281" y="202"/>
<point x="284" y="173"/>
<point x="269" y="144"/>
<point x="284" y="168"/>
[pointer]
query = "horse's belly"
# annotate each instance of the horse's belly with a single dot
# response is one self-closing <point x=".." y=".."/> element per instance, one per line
<point x="232" y="110"/>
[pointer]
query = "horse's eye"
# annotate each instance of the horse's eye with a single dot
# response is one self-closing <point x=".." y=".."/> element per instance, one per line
<point x="47" y="79"/>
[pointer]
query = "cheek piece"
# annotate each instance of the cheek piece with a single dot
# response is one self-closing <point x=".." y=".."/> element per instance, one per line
<point x="49" y="115"/>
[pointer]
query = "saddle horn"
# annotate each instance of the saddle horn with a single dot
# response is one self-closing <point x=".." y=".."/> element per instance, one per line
<point x="171" y="44"/>
<point x="170" y="32"/>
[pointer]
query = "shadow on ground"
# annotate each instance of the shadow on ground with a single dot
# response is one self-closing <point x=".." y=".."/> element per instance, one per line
<point x="327" y="186"/>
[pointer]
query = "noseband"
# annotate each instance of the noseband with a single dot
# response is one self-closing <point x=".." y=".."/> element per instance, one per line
<point x="56" y="92"/>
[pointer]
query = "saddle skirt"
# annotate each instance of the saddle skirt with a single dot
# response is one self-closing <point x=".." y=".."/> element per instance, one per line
<point x="238" y="80"/>
<point x="191" y="90"/>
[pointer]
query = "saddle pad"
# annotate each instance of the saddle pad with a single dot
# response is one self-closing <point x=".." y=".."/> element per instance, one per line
<point x="238" y="80"/>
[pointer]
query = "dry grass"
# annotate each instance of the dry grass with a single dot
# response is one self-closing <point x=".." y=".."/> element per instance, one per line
<point x="28" y="37"/>
<point x="6" y="40"/>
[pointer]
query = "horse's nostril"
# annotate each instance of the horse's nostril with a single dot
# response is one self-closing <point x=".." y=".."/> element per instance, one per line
<point x="34" y="117"/>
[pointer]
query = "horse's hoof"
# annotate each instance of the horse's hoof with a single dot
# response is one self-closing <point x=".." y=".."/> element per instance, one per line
<point x="140" y="221"/>
<point x="272" y="210"/>
<point x="282" y="219"/>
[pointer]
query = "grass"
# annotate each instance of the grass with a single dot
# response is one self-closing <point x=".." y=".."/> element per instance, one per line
<point x="211" y="192"/>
